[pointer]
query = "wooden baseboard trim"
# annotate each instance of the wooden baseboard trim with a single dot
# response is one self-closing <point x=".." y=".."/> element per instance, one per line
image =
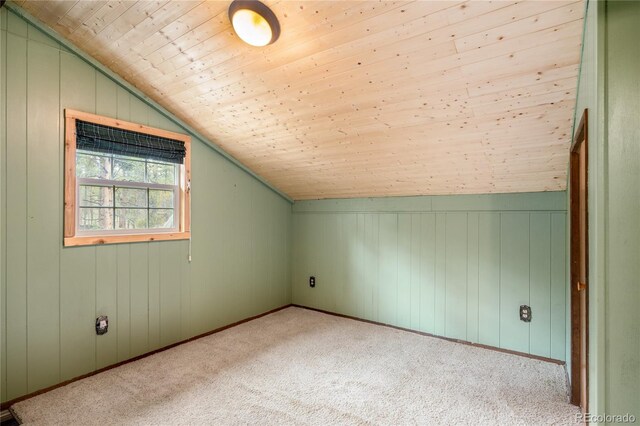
<point x="8" y="404"/>
<point x="422" y="333"/>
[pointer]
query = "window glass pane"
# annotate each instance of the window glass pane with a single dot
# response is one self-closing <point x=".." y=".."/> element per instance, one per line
<point x="161" y="218"/>
<point x="131" y="197"/>
<point x="161" y="173"/>
<point x="128" y="170"/>
<point x="131" y="218"/>
<point x="95" y="219"/>
<point x="96" y="196"/>
<point x="160" y="198"/>
<point x="93" y="166"/>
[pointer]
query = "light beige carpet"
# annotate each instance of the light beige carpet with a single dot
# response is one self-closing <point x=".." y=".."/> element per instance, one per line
<point x="302" y="367"/>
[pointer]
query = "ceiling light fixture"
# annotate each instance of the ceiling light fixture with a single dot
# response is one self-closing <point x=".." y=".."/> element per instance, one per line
<point x="254" y="22"/>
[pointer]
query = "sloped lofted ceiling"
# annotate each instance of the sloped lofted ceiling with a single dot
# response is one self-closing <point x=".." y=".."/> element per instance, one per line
<point x="357" y="98"/>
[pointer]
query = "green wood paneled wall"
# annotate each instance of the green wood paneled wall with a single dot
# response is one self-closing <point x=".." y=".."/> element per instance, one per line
<point x="622" y="387"/>
<point x="454" y="266"/>
<point x="152" y="294"/>
<point x="609" y="87"/>
<point x="587" y="97"/>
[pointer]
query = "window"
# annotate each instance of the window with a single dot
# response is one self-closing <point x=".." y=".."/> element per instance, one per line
<point x="123" y="194"/>
<point x="124" y="182"/>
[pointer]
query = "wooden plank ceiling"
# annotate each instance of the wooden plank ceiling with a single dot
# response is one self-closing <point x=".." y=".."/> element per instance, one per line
<point x="357" y="98"/>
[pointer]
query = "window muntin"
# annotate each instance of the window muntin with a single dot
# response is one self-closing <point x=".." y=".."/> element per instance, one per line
<point x="118" y="194"/>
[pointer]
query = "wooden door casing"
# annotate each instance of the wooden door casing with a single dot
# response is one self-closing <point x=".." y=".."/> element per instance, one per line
<point x="579" y="266"/>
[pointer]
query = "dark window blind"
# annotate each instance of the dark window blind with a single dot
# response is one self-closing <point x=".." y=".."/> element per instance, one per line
<point x="111" y="140"/>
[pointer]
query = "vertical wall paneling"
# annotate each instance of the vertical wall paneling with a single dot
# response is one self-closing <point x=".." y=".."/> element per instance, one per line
<point x="153" y="298"/>
<point x="139" y="300"/>
<point x="285" y="232"/>
<point x="514" y="280"/>
<point x="216" y="212"/>
<point x="244" y="239"/>
<point x="441" y="275"/>
<point x="186" y="320"/>
<point x="370" y="259"/>
<point x="317" y="238"/>
<point x="3" y="208"/>
<point x="151" y="293"/>
<point x="77" y="265"/>
<point x="309" y="228"/>
<point x="416" y="278"/>
<point x="388" y="272"/>
<point x="255" y="247"/>
<point x="489" y="279"/>
<point x="270" y="239"/>
<point x="307" y="233"/>
<point x="297" y="259"/>
<point x="456" y="276"/>
<point x="327" y="236"/>
<point x="338" y="275"/>
<point x="170" y="282"/>
<point x="622" y="378"/>
<point x="15" y="214"/>
<point x="123" y="300"/>
<point x="373" y="249"/>
<point x="106" y="304"/>
<point x="472" y="276"/>
<point x="265" y="254"/>
<point x="342" y="273"/>
<point x="43" y="193"/>
<point x="427" y="272"/>
<point x="558" y="286"/>
<point x="360" y="276"/>
<point x="327" y="240"/>
<point x="403" y="271"/>
<point x="540" y="251"/>
<point x="458" y="267"/>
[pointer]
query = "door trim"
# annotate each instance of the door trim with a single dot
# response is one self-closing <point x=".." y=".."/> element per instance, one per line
<point x="579" y="373"/>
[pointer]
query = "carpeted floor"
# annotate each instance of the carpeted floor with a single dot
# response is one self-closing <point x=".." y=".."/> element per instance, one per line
<point x="302" y="367"/>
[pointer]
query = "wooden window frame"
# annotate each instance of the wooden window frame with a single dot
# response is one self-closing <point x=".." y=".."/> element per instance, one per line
<point x="70" y="237"/>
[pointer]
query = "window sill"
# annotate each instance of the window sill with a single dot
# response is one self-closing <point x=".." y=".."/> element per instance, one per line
<point x="119" y="239"/>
